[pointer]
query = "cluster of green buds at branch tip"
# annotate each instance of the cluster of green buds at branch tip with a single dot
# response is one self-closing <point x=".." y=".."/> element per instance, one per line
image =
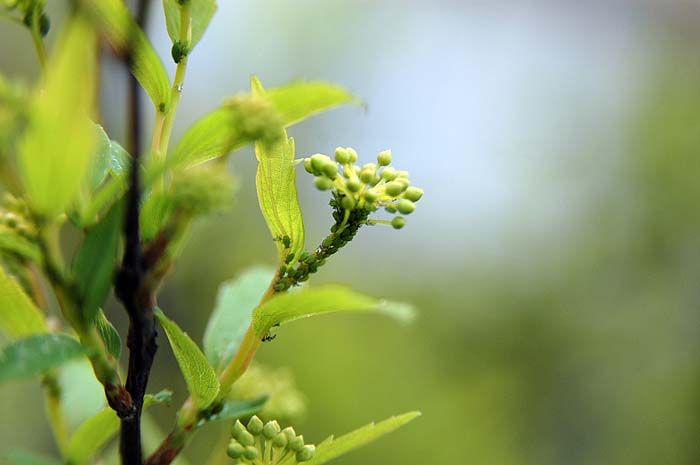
<point x="267" y="444"/>
<point x="14" y="215"/>
<point x="365" y="188"/>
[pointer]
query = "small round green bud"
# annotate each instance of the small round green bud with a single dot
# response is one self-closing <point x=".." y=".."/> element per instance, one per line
<point x="405" y="206"/>
<point x="352" y="154"/>
<point x="246" y="438"/>
<point x="370" y="196"/>
<point x="250" y="453"/>
<point x="384" y="158"/>
<point x="342" y="156"/>
<point x="389" y="174"/>
<point x="413" y="194"/>
<point x="390" y="207"/>
<point x="369" y="167"/>
<point x="279" y="441"/>
<point x="353" y="185"/>
<point x="330" y="169"/>
<point x="402" y="174"/>
<point x="306" y="453"/>
<point x="289" y="433"/>
<point x="367" y="176"/>
<point x="323" y="183"/>
<point x="394" y="189"/>
<point x="271" y="429"/>
<point x="348" y="203"/>
<point x="235" y="449"/>
<point x="318" y="161"/>
<point x="297" y="443"/>
<point x="255" y="425"/>
<point x="237" y="429"/>
<point x="307" y="165"/>
<point x="398" y="222"/>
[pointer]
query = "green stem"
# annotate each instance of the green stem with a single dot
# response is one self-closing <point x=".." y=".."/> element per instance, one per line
<point x="38" y="41"/>
<point x="54" y="412"/>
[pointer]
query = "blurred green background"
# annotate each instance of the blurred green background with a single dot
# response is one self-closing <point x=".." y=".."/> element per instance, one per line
<point x="555" y="258"/>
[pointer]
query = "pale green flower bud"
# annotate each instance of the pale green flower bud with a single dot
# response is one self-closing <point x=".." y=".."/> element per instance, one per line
<point x="271" y="429"/>
<point x="370" y="196"/>
<point x="289" y="433"/>
<point x="413" y="194"/>
<point x="318" y="161"/>
<point x="255" y="425"/>
<point x="348" y="203"/>
<point x="398" y="222"/>
<point x="330" y="169"/>
<point x="352" y="154"/>
<point x="389" y="174"/>
<point x="235" y="449"/>
<point x="246" y="438"/>
<point x="353" y="185"/>
<point x="342" y="156"/>
<point x="250" y="453"/>
<point x="369" y="167"/>
<point x="390" y="207"/>
<point x="323" y="183"/>
<point x="405" y="206"/>
<point x="384" y="158"/>
<point x="307" y="165"/>
<point x="394" y="189"/>
<point x="237" y="429"/>
<point x="279" y="441"/>
<point x="402" y="174"/>
<point x="297" y="443"/>
<point x="367" y="176"/>
<point x="306" y="453"/>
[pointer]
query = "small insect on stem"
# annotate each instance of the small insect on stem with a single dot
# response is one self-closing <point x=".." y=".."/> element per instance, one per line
<point x="268" y="337"/>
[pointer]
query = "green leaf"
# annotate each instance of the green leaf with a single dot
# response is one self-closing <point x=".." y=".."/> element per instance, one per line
<point x="310" y="301"/>
<point x="55" y="153"/>
<point x="161" y="397"/>
<point x="23" y="457"/>
<point x="110" y="159"/>
<point x="18" y="315"/>
<point x="301" y="99"/>
<point x="201" y="12"/>
<point x="108" y="334"/>
<point x="332" y="447"/>
<point x="217" y="133"/>
<point x="114" y="21"/>
<point x="233" y="313"/>
<point x="94" y="262"/>
<point x="234" y="409"/>
<point x="97" y="430"/>
<point x="36" y="355"/>
<point x="82" y="395"/>
<point x="198" y="373"/>
<point x="277" y="195"/>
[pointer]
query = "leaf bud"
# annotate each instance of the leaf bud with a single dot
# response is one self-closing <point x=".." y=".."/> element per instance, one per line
<point x="413" y="194"/>
<point x="348" y="203"/>
<point x="341" y="155"/>
<point x="352" y="154"/>
<point x="271" y="429"/>
<point x="394" y="189"/>
<point x="322" y="183"/>
<point x="353" y="185"/>
<point x="279" y="441"/>
<point x="306" y="453"/>
<point x="255" y="425"/>
<point x="405" y="206"/>
<point x="250" y="453"/>
<point x="398" y="222"/>
<point x="384" y="158"/>
<point x="235" y="449"/>
<point x="297" y="443"/>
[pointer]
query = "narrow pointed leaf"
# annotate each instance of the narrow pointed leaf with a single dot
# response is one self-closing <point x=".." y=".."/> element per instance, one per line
<point x="109" y="335"/>
<point x="233" y="313"/>
<point x="234" y="409"/>
<point x="301" y="99"/>
<point x="198" y="373"/>
<point x="18" y="315"/>
<point x="115" y="22"/>
<point x="35" y="355"/>
<point x="94" y="263"/>
<point x="110" y="159"/>
<point x="327" y="298"/>
<point x="55" y="154"/>
<point x="335" y="447"/>
<point x="201" y="11"/>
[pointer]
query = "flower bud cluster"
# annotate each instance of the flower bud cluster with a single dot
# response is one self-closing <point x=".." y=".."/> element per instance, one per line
<point x="365" y="188"/>
<point x="14" y="215"/>
<point x="261" y="443"/>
